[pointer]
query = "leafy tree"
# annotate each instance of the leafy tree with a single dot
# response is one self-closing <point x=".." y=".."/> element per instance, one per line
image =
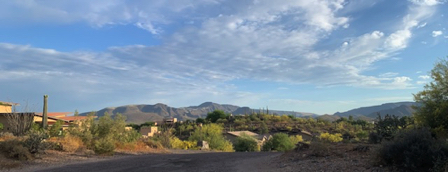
<point x="433" y="100"/>
<point x="200" y="120"/>
<point x="215" y="115"/>
<point x="148" y="124"/>
<point x="212" y="133"/>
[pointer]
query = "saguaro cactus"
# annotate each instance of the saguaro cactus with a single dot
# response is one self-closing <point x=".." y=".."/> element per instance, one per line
<point x="45" y="113"/>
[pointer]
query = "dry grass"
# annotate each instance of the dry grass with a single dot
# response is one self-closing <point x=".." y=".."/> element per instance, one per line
<point x="138" y="147"/>
<point x="68" y="143"/>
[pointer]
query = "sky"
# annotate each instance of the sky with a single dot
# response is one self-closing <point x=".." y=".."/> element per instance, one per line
<point x="319" y="56"/>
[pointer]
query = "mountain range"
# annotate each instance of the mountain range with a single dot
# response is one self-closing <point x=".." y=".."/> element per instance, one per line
<point x="143" y="113"/>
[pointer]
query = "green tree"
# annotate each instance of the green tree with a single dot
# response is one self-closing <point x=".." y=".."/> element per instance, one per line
<point x="215" y="115"/>
<point x="1" y="126"/>
<point x="433" y="100"/>
<point x="212" y="133"/>
<point x="264" y="128"/>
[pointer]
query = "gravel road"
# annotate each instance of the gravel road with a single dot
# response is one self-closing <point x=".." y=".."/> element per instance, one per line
<point x="179" y="162"/>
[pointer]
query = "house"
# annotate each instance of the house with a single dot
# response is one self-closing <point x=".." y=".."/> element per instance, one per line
<point x="148" y="131"/>
<point x="6" y="107"/>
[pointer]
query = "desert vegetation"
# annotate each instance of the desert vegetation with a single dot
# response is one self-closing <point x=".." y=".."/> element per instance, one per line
<point x="416" y="143"/>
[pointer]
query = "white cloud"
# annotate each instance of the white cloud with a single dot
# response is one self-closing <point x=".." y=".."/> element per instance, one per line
<point x="422" y="25"/>
<point x="436" y="33"/>
<point x="424" y="77"/>
<point x="426" y="2"/>
<point x="388" y="74"/>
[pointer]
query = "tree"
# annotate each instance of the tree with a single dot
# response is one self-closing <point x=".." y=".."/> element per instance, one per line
<point x="212" y="133"/>
<point x="19" y="123"/>
<point x="432" y="110"/>
<point x="215" y="115"/>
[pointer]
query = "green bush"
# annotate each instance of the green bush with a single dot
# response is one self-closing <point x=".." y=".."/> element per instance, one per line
<point x="1" y="126"/>
<point x="296" y="139"/>
<point x="104" y="146"/>
<point x="279" y="142"/>
<point x="246" y="143"/>
<point x="56" y="129"/>
<point x="414" y="150"/>
<point x="212" y="133"/>
<point x="327" y="137"/>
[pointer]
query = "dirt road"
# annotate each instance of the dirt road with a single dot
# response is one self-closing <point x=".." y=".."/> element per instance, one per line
<point x="180" y="162"/>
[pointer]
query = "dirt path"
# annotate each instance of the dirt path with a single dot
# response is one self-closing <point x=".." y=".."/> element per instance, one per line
<point x="217" y="162"/>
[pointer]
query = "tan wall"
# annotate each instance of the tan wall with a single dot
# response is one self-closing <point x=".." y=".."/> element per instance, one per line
<point x="148" y="131"/>
<point x="5" y="109"/>
<point x="39" y="119"/>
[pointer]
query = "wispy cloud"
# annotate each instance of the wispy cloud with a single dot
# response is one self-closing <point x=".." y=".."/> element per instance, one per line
<point x="436" y="33"/>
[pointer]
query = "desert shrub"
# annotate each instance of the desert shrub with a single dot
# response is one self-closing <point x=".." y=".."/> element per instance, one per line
<point x="152" y="143"/>
<point x="104" y="146"/>
<point x="35" y="141"/>
<point x="212" y="133"/>
<point x="70" y="143"/>
<point x="296" y="139"/>
<point x="246" y="143"/>
<point x="14" y="148"/>
<point x="327" y="137"/>
<point x="56" y="129"/>
<point x="176" y="143"/>
<point x="362" y="135"/>
<point x="414" y="150"/>
<point x="319" y="149"/>
<point x="279" y="142"/>
<point x="374" y="138"/>
<point x="6" y="136"/>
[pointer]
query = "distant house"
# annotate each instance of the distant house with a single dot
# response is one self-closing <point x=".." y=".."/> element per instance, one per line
<point x="148" y="131"/>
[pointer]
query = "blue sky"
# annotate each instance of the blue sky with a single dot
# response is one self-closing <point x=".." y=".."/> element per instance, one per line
<point x="318" y="56"/>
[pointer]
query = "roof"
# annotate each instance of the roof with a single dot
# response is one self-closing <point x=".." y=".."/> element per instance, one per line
<point x="239" y="133"/>
<point x="73" y="118"/>
<point x="9" y="103"/>
<point x="55" y="114"/>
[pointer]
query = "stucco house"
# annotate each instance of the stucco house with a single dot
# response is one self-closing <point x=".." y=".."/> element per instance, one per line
<point x="6" y="109"/>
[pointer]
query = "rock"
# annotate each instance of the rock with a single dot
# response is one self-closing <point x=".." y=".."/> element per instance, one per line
<point x="203" y="144"/>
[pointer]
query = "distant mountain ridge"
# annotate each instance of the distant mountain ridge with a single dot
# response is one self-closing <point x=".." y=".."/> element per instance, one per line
<point x="142" y="113"/>
<point x="370" y="112"/>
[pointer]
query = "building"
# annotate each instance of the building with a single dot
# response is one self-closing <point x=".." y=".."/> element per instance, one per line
<point x="6" y="107"/>
<point x="148" y="131"/>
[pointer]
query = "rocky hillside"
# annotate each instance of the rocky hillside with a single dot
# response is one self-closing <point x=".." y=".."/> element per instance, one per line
<point x="398" y="109"/>
<point x="142" y="113"/>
